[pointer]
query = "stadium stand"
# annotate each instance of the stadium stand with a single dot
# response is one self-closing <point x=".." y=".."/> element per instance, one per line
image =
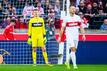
<point x="95" y="14"/>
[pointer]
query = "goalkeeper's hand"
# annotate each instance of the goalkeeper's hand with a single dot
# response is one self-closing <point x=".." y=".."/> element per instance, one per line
<point x="29" y="41"/>
<point x="44" y="39"/>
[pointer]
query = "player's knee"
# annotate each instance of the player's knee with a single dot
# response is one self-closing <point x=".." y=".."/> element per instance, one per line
<point x="34" y="49"/>
<point x="73" y="49"/>
<point x="43" y="49"/>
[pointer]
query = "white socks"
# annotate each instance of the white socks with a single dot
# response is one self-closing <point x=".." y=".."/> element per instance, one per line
<point x="67" y="54"/>
<point x="73" y="57"/>
<point x="61" y="50"/>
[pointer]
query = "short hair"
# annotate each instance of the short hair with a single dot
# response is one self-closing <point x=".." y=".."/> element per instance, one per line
<point x="72" y="5"/>
<point x="13" y="20"/>
<point x="35" y="9"/>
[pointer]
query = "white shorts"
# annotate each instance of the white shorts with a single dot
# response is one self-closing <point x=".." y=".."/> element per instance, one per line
<point x="72" y="41"/>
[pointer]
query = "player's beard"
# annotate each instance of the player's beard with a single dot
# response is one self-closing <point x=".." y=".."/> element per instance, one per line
<point x="72" y="13"/>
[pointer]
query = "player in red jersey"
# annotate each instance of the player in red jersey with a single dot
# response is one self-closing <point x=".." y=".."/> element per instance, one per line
<point x="9" y="30"/>
<point x="61" y="44"/>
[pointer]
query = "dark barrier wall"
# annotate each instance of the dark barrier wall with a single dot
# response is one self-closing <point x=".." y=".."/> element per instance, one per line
<point x="89" y="52"/>
<point x="92" y="52"/>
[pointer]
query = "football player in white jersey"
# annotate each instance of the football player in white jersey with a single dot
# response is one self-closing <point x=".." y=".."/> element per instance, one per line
<point x="72" y="23"/>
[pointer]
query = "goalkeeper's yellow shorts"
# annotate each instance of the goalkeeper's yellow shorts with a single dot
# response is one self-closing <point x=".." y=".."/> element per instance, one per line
<point x="37" y="41"/>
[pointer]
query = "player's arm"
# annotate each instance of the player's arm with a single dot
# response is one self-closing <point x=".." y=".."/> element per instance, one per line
<point x="61" y="31"/>
<point x="30" y="29"/>
<point x="82" y="30"/>
<point x="5" y="33"/>
<point x="29" y="32"/>
<point x="44" y="31"/>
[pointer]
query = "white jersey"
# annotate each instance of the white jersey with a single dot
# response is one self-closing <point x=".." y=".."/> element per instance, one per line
<point x="72" y="24"/>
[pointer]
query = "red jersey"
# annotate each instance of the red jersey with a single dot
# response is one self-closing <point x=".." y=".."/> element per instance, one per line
<point x="8" y="32"/>
<point x="63" y="37"/>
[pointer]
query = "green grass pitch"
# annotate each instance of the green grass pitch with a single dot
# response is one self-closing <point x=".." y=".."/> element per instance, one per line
<point x="29" y="67"/>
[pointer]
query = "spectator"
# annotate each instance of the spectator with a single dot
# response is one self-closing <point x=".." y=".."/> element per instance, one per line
<point x="35" y="2"/>
<point x="5" y="22"/>
<point x="57" y="7"/>
<point x="5" y="4"/>
<point x="95" y="8"/>
<point x="46" y="7"/>
<point x="40" y="8"/>
<point x="104" y="25"/>
<point x="51" y="20"/>
<point x="82" y="7"/>
<point x="17" y="23"/>
<point x="73" y="2"/>
<point x="20" y="4"/>
<point x="87" y="2"/>
<point x="5" y="7"/>
<point x="89" y="11"/>
<point x="85" y="23"/>
<point x="27" y="11"/>
<point x="77" y="10"/>
<point x="11" y="11"/>
<point x="20" y="24"/>
<point x="51" y="11"/>
<point x="104" y="2"/>
<point x="1" y="15"/>
<point x="77" y="2"/>
<point x="105" y="9"/>
<point x="100" y="5"/>
<point x="101" y="13"/>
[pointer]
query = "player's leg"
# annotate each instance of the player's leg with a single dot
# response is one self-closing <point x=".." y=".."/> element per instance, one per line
<point x="34" y="44"/>
<point x="67" y="63"/>
<point x="34" y="55"/>
<point x="60" y="52"/>
<point x="42" y="45"/>
<point x="73" y="54"/>
<point x="45" y="55"/>
<point x="69" y="44"/>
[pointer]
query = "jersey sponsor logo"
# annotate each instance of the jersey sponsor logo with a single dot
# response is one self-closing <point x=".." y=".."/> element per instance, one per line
<point x="72" y="24"/>
<point x="39" y="24"/>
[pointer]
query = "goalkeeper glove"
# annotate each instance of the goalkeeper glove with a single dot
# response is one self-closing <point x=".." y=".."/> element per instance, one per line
<point x="44" y="39"/>
<point x="29" y="41"/>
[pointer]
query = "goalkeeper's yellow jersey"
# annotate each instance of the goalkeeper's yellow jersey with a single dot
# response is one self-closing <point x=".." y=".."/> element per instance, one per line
<point x="36" y="27"/>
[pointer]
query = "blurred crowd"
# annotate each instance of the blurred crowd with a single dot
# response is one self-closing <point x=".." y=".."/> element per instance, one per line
<point x="21" y="10"/>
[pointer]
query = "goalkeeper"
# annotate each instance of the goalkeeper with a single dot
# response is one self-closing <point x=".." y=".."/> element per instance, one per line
<point x="37" y="35"/>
